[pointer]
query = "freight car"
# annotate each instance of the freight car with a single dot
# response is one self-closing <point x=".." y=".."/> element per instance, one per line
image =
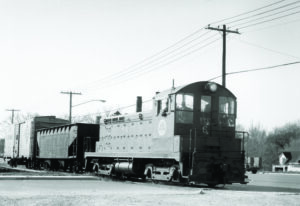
<point x="189" y="136"/>
<point x="63" y="147"/>
<point x="21" y="139"/>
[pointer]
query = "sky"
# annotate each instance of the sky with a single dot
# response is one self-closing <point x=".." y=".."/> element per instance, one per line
<point x="116" y="50"/>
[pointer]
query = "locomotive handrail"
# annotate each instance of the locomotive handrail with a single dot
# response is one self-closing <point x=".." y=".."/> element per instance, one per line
<point x="243" y="143"/>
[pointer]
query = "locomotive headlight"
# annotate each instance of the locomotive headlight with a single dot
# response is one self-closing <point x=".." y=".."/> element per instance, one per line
<point x="211" y="86"/>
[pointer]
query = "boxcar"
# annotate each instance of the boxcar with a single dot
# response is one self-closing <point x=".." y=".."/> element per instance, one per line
<point x="21" y="139"/>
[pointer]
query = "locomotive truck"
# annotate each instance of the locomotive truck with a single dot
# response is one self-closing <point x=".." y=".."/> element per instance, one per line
<point x="189" y="136"/>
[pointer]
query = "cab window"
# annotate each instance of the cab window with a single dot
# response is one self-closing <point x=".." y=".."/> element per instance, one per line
<point x="205" y="104"/>
<point x="226" y="105"/>
<point x="158" y="106"/>
<point x="226" y="112"/>
<point x="172" y="102"/>
<point x="162" y="106"/>
<point x="184" y="108"/>
<point x="185" y="102"/>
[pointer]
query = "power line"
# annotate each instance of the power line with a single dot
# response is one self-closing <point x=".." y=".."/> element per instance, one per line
<point x="265" y="12"/>
<point x="229" y="73"/>
<point x="272" y="50"/>
<point x="113" y="110"/>
<point x="245" y="13"/>
<point x="168" y="56"/>
<point x="152" y="59"/>
<point x="274" y="25"/>
<point x="130" y="70"/>
<point x="269" y="20"/>
<point x="265" y="68"/>
<point x="258" y="69"/>
<point x="152" y="68"/>
<point x="264" y="17"/>
<point x="145" y="65"/>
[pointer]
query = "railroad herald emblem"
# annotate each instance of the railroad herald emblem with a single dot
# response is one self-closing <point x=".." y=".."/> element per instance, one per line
<point x="162" y="127"/>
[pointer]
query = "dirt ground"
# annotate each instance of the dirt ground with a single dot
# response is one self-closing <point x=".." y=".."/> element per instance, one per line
<point x="102" y="192"/>
<point x="108" y="192"/>
<point x="20" y="170"/>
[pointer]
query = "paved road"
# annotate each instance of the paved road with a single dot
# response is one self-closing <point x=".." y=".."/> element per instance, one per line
<point x="270" y="182"/>
<point x="107" y="192"/>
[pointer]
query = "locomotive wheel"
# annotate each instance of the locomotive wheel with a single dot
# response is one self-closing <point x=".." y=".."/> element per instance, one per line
<point x="254" y="171"/>
<point x="211" y="185"/>
<point x="46" y="166"/>
<point x="95" y="168"/>
<point x="121" y="176"/>
<point x="148" y="176"/>
<point x="65" y="167"/>
<point x="74" y="169"/>
<point x="175" y="174"/>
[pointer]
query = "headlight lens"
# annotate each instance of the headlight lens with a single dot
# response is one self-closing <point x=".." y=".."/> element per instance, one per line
<point x="212" y="86"/>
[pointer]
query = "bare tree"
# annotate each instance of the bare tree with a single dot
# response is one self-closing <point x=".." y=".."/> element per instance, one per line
<point x="256" y="141"/>
<point x="278" y="141"/>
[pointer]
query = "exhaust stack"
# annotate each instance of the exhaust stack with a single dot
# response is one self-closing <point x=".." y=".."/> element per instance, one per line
<point x="139" y="104"/>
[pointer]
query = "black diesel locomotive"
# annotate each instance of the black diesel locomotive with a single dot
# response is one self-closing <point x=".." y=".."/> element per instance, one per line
<point x="189" y="136"/>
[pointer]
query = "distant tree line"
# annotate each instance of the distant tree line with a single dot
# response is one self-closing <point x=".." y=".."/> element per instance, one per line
<point x="259" y="143"/>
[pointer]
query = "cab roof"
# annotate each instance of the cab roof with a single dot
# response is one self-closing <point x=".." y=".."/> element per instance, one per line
<point x="175" y="90"/>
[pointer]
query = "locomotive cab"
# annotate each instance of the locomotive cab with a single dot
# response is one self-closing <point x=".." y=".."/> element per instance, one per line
<point x="206" y="111"/>
<point x="202" y="116"/>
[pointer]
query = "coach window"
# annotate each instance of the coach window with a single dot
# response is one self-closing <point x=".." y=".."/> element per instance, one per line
<point x="184" y="108"/>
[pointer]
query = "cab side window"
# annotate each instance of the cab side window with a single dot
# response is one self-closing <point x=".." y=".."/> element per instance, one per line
<point x="185" y="102"/>
<point x="162" y="106"/>
<point x="184" y="108"/>
<point x="158" y="106"/>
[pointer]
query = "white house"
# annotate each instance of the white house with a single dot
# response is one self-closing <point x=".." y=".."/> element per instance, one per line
<point x="288" y="162"/>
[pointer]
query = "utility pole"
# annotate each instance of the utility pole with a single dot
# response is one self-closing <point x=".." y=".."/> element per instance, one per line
<point x="70" y="109"/>
<point x="224" y="30"/>
<point x="12" y="114"/>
